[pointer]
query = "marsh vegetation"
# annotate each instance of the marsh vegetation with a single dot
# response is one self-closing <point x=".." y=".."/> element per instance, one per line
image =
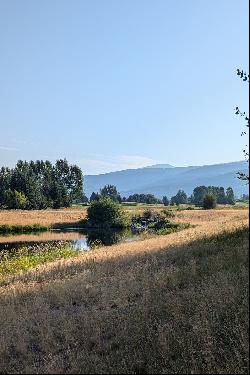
<point x="106" y="224"/>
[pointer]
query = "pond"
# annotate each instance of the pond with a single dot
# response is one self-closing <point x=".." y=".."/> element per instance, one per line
<point x="78" y="239"/>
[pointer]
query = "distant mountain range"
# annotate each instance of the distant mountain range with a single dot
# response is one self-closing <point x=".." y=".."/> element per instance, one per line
<point x="164" y="179"/>
<point x="160" y="166"/>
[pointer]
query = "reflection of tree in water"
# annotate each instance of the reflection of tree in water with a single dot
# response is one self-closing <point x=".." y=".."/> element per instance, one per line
<point x="87" y="239"/>
<point x="106" y="237"/>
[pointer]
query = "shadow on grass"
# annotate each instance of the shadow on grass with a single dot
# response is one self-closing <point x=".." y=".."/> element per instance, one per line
<point x="181" y="310"/>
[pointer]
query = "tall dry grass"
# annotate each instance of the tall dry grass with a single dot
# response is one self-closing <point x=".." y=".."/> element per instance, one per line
<point x="73" y="215"/>
<point x="53" y="216"/>
<point x="42" y="217"/>
<point x="172" y="304"/>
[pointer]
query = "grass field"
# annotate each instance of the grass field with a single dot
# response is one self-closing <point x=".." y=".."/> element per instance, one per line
<point x="60" y="216"/>
<point x="42" y="217"/>
<point x="74" y="214"/>
<point x="170" y="304"/>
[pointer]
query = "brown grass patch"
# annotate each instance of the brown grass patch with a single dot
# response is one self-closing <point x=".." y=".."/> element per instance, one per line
<point x="43" y="217"/>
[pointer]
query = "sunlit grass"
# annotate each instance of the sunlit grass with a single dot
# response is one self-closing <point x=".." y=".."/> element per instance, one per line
<point x="26" y="258"/>
<point x="73" y="215"/>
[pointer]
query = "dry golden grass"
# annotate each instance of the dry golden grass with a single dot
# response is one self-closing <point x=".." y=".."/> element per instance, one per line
<point x="51" y="217"/>
<point x="43" y="217"/>
<point x="219" y="216"/>
<point x="73" y="215"/>
<point x="170" y="304"/>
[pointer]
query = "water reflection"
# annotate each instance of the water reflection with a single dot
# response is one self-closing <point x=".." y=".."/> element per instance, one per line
<point x="107" y="237"/>
<point x="80" y="240"/>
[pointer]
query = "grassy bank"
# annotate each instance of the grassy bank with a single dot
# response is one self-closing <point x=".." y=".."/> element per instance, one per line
<point x="26" y="259"/>
<point x="171" y="304"/>
<point x="172" y="228"/>
<point x="17" y="229"/>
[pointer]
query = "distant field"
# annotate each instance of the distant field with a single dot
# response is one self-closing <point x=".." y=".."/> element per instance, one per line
<point x="242" y="204"/>
<point x="51" y="217"/>
<point x="43" y="217"/>
<point x="76" y="213"/>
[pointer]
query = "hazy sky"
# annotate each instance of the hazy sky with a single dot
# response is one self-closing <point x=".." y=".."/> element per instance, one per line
<point x="114" y="84"/>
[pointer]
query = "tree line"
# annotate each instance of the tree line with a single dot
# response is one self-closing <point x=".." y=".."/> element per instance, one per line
<point x="219" y="194"/>
<point x="110" y="191"/>
<point x="199" y="193"/>
<point x="40" y="184"/>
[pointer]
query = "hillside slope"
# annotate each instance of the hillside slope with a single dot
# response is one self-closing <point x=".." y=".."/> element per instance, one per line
<point x="166" y="181"/>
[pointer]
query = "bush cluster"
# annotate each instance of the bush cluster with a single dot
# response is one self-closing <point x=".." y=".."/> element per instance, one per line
<point x="104" y="212"/>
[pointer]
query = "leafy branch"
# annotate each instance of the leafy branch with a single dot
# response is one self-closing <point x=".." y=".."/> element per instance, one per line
<point x="245" y="78"/>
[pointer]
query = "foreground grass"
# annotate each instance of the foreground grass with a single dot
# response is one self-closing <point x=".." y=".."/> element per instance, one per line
<point x="174" y="305"/>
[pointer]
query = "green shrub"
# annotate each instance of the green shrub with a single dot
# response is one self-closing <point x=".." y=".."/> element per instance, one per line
<point x="106" y="213"/>
<point x="168" y="213"/>
<point x="172" y="228"/>
<point x="8" y="229"/>
<point x="209" y="202"/>
<point x="129" y="203"/>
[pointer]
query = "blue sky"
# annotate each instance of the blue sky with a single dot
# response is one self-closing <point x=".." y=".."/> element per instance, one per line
<point x="115" y="84"/>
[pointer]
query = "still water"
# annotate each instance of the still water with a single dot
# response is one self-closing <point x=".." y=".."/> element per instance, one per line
<point x="80" y="240"/>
